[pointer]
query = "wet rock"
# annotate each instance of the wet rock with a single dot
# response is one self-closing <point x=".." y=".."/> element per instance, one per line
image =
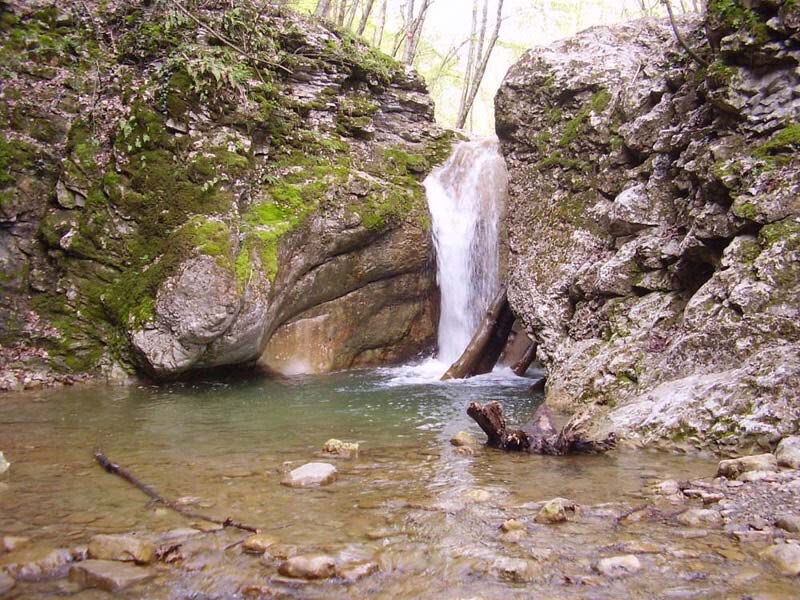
<point x="355" y="571"/>
<point x="518" y="570"/>
<point x="733" y="468"/>
<point x="127" y="548"/>
<point x="111" y="576"/>
<point x="669" y="487"/>
<point x="788" y="452"/>
<point x="464" y="451"/>
<point x="556" y="510"/>
<point x="4" y="464"/>
<point x="700" y="517"/>
<point x="279" y="552"/>
<point x="754" y="476"/>
<point x="464" y="438"/>
<point x="340" y="449"/>
<point x="308" y="567"/>
<point x="37" y="564"/>
<point x="9" y="543"/>
<point x="785" y="557"/>
<point x="6" y="583"/>
<point x="790" y="523"/>
<point x="478" y="495"/>
<point x="310" y="474"/>
<point x="257" y="544"/>
<point x="618" y="566"/>
<point x="513" y="525"/>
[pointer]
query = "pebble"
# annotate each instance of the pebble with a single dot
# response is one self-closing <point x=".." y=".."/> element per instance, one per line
<point x="696" y="517"/>
<point x="354" y="572"/>
<point x="463" y="438"/>
<point x="318" y="566"/>
<point x="125" y="548"/>
<point x="310" y="474"/>
<point x="9" y="543"/>
<point x="517" y="570"/>
<point x="111" y="576"/>
<point x="338" y="448"/>
<point x="257" y="544"/>
<point x="556" y="510"/>
<point x="786" y="557"/>
<point x="512" y="525"/>
<point x="619" y="566"/>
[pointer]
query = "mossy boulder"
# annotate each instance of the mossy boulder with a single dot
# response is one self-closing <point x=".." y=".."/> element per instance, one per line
<point x="165" y="196"/>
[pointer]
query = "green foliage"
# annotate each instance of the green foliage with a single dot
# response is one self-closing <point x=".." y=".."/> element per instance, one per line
<point x="572" y="129"/>
<point x="14" y="156"/>
<point x="734" y="15"/>
<point x="786" y="141"/>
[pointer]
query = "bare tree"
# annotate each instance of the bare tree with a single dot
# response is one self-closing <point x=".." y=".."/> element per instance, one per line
<point x="377" y="39"/>
<point x="411" y="31"/>
<point x="473" y="79"/>
<point x="365" y="13"/>
<point x="323" y="8"/>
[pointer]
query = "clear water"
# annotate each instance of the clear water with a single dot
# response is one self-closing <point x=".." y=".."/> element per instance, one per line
<point x="466" y="197"/>
<point x="426" y="514"/>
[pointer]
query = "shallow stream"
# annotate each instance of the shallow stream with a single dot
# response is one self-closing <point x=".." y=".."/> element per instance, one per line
<point x="426" y="514"/>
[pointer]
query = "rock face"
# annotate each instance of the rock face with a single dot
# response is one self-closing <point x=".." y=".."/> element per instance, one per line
<point x="654" y="225"/>
<point x="171" y="204"/>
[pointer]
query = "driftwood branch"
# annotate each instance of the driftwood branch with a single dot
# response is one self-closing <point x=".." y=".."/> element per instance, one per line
<point x="115" y="469"/>
<point x="540" y="436"/>
<point x="523" y="364"/>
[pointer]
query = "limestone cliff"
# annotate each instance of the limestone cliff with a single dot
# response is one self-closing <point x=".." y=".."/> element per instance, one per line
<point x="654" y="223"/>
<point x="179" y="188"/>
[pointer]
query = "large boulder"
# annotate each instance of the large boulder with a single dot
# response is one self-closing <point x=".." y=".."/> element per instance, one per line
<point x="187" y="207"/>
<point x="654" y="226"/>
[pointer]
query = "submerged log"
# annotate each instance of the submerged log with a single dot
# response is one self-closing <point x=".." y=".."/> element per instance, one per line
<point x="523" y="364"/>
<point x="115" y="469"/>
<point x="540" y="436"/>
<point x="487" y="344"/>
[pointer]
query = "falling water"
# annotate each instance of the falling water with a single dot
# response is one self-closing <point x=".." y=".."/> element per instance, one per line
<point x="466" y="197"/>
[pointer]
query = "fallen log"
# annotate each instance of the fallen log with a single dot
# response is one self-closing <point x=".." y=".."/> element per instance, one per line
<point x="115" y="469"/>
<point x="523" y="364"/>
<point x="487" y="344"/>
<point x="540" y="436"/>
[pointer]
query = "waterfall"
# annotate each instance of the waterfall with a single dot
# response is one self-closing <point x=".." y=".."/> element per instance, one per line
<point x="466" y="196"/>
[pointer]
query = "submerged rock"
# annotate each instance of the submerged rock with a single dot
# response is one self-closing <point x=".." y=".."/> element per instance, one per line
<point x="785" y="557"/>
<point x="557" y="510"/>
<point x="618" y="566"/>
<point x="257" y="544"/>
<point x="310" y="474"/>
<point x="341" y="449"/>
<point x="7" y="583"/>
<point x="464" y="439"/>
<point x="4" y="464"/>
<point x="518" y="570"/>
<point x="788" y="452"/>
<point x="111" y="576"/>
<point x="9" y="543"/>
<point x="122" y="548"/>
<point x="309" y="567"/>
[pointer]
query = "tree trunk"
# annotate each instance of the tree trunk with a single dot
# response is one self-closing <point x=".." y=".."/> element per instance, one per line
<point x="523" y="364"/>
<point x="323" y="6"/>
<point x="482" y="352"/>
<point x="377" y="39"/>
<point x="351" y="15"/>
<point x="473" y="41"/>
<point x="481" y="70"/>
<point x="342" y="12"/>
<point x="362" y="24"/>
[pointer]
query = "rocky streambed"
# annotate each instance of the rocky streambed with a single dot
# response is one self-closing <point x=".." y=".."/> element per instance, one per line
<point x="407" y="514"/>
